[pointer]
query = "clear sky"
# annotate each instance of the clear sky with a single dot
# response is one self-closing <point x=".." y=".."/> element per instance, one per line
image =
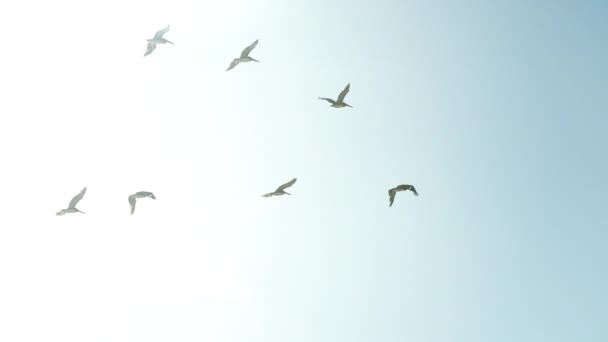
<point x="495" y="110"/>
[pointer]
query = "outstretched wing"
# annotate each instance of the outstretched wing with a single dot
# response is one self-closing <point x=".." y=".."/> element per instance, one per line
<point x="391" y="195"/>
<point x="150" y="48"/>
<point x="248" y="49"/>
<point x="77" y="198"/>
<point x="405" y="187"/>
<point x="328" y="100"/>
<point x="233" y="64"/>
<point x="142" y="194"/>
<point x="343" y="93"/>
<point x="286" y="185"/>
<point x="132" y="202"/>
<point x="160" y="33"/>
<point x="270" y="194"/>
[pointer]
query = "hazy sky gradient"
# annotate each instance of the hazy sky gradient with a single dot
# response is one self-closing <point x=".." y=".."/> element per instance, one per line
<point x="495" y="111"/>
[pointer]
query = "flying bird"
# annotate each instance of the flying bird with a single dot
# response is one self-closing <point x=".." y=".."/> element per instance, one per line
<point x="141" y="194"/>
<point x="158" y="39"/>
<point x="340" y="102"/>
<point x="244" y="56"/>
<point x="392" y="192"/>
<point x="281" y="190"/>
<point x="72" y="206"/>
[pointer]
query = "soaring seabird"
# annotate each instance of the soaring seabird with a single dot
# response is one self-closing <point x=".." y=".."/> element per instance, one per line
<point x="141" y="194"/>
<point x="281" y="190"/>
<point x="72" y="206"/>
<point x="244" y="56"/>
<point x="403" y="187"/>
<point x="340" y="102"/>
<point x="158" y="39"/>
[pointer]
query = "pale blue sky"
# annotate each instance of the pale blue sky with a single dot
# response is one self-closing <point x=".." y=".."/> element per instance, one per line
<point x="495" y="111"/>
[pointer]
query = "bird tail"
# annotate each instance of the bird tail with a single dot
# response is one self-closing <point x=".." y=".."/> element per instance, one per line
<point x="255" y="60"/>
<point x="80" y="211"/>
<point x="287" y="193"/>
<point x="169" y="42"/>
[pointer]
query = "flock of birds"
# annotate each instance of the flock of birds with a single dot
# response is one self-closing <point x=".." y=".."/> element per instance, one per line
<point x="243" y="58"/>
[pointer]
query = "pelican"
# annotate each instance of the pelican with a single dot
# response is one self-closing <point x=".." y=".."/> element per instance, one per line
<point x="281" y="190"/>
<point x="72" y="206"/>
<point x="403" y="187"/>
<point x="244" y="56"/>
<point x="141" y="194"/>
<point x="158" y="39"/>
<point x="340" y="102"/>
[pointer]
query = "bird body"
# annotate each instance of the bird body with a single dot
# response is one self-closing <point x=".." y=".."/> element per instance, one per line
<point x="339" y="103"/>
<point x="403" y="187"/>
<point x="281" y="189"/>
<point x="141" y="194"/>
<point x="72" y="206"/>
<point x="157" y="39"/>
<point x="244" y="58"/>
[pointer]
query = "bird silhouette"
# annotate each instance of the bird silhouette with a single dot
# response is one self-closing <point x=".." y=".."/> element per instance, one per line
<point x="244" y="56"/>
<point x="392" y="192"/>
<point x="72" y="206"/>
<point x="158" y="39"/>
<point x="339" y="103"/>
<point x="141" y="194"/>
<point x="281" y="190"/>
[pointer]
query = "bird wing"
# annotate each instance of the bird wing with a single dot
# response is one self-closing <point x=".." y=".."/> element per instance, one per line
<point x="286" y="185"/>
<point x="248" y="49"/>
<point x="142" y="194"/>
<point x="150" y="48"/>
<point x="391" y="194"/>
<point x="160" y="33"/>
<point x="77" y="198"/>
<point x="132" y="202"/>
<point x="405" y="187"/>
<point x="343" y="93"/>
<point x="328" y="100"/>
<point x="268" y="194"/>
<point x="233" y="64"/>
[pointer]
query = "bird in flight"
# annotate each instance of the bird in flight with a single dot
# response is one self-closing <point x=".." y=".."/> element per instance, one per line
<point x="72" y="206"/>
<point x="340" y="102"/>
<point x="244" y="56"/>
<point x="141" y="194"/>
<point x="392" y="192"/>
<point x="281" y="190"/>
<point x="158" y="39"/>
